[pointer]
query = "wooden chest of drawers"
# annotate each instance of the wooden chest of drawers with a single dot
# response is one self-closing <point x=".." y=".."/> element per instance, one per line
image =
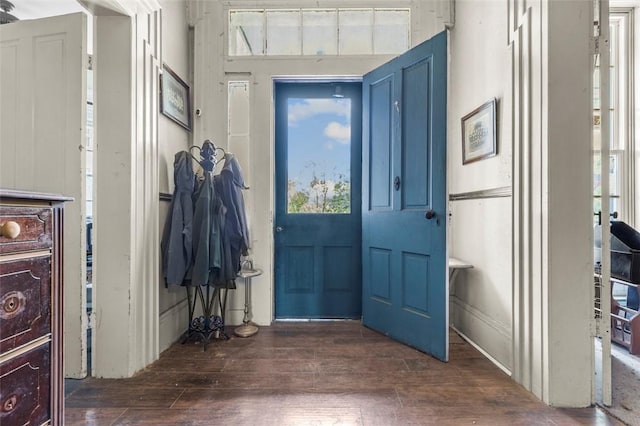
<point x="31" y="371"/>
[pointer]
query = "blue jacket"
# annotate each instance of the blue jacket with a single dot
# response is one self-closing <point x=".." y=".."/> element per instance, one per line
<point x="176" y="244"/>
<point x="229" y="185"/>
<point x="208" y="222"/>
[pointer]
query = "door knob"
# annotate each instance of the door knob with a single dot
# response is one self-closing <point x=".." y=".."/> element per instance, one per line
<point x="10" y="229"/>
<point x="614" y="215"/>
<point x="279" y="229"/>
<point x="396" y="183"/>
<point x="429" y="214"/>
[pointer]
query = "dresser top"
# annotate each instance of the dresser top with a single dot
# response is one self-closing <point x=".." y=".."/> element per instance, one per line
<point x="29" y="195"/>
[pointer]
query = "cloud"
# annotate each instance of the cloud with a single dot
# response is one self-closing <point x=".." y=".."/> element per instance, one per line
<point x="338" y="132"/>
<point x="312" y="107"/>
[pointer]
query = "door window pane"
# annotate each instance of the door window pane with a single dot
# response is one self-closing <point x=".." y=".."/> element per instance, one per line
<point x="319" y="32"/>
<point x="283" y="32"/>
<point x="319" y="155"/>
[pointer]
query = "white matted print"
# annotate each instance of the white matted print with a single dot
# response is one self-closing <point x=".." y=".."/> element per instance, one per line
<point x="479" y="133"/>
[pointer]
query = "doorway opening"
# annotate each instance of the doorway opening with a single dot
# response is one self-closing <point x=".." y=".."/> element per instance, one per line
<point x="77" y="284"/>
<point x="616" y="97"/>
<point x="318" y="200"/>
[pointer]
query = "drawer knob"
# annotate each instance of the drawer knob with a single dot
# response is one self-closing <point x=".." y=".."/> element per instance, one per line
<point x="12" y="304"/>
<point x="10" y="229"/>
<point x="10" y="403"/>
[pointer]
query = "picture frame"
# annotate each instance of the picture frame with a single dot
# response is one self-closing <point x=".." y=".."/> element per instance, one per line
<point x="479" y="136"/>
<point x="175" y="98"/>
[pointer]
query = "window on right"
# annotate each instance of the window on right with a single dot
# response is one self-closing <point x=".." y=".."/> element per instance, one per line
<point x="622" y="158"/>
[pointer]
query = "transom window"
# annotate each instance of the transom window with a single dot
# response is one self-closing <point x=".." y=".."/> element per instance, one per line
<point x="318" y="32"/>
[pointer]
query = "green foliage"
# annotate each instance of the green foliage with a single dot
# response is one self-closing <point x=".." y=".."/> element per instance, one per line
<point x="6" y="5"/>
<point x="297" y="199"/>
<point x="321" y="196"/>
<point x="5" y="17"/>
<point x="319" y="191"/>
<point x="341" y="199"/>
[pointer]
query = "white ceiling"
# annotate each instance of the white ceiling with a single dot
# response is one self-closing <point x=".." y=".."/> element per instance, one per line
<point x="34" y="9"/>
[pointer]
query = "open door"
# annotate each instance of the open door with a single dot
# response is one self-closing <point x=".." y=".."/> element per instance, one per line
<point x="404" y="204"/>
<point x="43" y="92"/>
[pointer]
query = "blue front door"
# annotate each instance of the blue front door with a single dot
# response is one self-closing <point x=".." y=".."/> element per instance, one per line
<point x="317" y="225"/>
<point x="404" y="198"/>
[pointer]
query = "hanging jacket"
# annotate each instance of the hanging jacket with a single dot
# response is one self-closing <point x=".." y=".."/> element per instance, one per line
<point x="208" y="222"/>
<point x="229" y="184"/>
<point x="176" y="244"/>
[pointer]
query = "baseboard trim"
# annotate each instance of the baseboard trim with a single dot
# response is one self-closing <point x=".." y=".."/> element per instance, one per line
<point x="492" y="326"/>
<point x="173" y="324"/>
<point x="483" y="352"/>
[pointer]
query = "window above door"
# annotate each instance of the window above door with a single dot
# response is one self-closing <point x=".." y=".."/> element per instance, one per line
<point x="318" y="31"/>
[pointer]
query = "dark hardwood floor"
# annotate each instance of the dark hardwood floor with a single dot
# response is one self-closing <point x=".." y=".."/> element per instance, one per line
<point x="328" y="373"/>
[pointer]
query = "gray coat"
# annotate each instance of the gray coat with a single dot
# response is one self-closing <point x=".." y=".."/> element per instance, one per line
<point x="229" y="185"/>
<point x="208" y="222"/>
<point x="176" y="245"/>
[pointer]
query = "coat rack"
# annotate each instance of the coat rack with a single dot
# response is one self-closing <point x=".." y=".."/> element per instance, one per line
<point x="205" y="237"/>
<point x="208" y="325"/>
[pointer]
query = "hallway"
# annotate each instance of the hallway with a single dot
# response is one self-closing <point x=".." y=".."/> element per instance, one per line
<point x="321" y="373"/>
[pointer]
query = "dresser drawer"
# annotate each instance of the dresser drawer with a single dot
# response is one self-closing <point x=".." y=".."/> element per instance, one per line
<point x="25" y="396"/>
<point x="35" y="228"/>
<point x="25" y="301"/>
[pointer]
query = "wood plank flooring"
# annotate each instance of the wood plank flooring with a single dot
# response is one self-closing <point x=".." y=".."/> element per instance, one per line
<point x="328" y="373"/>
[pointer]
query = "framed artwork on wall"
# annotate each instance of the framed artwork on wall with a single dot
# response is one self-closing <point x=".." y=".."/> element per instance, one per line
<point x="479" y="133"/>
<point x="175" y="100"/>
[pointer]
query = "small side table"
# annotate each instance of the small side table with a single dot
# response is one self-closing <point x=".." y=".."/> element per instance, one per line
<point x="246" y="329"/>
<point x="455" y="265"/>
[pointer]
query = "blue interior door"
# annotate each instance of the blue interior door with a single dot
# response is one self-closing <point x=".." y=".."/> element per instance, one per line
<point x="404" y="198"/>
<point x="317" y="224"/>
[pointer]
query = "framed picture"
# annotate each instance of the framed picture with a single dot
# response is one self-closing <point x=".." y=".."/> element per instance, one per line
<point x="479" y="133"/>
<point x="175" y="100"/>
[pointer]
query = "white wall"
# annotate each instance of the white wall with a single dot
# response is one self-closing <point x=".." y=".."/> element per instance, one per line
<point x="172" y="138"/>
<point x="126" y="227"/>
<point x="480" y="231"/>
<point x="567" y="200"/>
<point x="527" y="302"/>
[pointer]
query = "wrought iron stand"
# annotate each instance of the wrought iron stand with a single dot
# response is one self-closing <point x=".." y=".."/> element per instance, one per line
<point x="208" y="325"/>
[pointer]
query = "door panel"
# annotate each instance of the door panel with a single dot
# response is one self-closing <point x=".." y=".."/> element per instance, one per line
<point x="43" y="64"/>
<point x="415" y="272"/>
<point x="381" y="138"/>
<point x="415" y="152"/>
<point x="380" y="273"/>
<point x="405" y="292"/>
<point x="299" y="261"/>
<point x="318" y="204"/>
